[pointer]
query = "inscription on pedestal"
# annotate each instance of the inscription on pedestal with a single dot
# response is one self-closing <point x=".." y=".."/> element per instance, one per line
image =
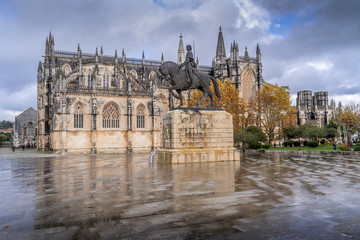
<point x="196" y="136"/>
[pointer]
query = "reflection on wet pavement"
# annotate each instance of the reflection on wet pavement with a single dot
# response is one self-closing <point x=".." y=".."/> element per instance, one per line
<point x="121" y="196"/>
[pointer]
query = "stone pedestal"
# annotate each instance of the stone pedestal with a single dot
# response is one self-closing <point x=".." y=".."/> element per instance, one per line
<point x="197" y="135"/>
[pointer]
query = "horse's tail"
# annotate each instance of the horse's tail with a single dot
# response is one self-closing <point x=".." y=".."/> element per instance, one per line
<point x="216" y="86"/>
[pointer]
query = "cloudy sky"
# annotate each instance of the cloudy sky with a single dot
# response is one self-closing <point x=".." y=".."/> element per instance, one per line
<point x="306" y="45"/>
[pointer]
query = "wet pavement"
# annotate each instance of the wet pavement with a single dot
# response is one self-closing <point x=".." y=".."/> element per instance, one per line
<point x="122" y="196"/>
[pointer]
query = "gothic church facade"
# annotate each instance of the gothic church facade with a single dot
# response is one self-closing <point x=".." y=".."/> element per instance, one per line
<point x="314" y="109"/>
<point x="93" y="103"/>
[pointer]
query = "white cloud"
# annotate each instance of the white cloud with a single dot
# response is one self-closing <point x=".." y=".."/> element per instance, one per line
<point x="9" y="115"/>
<point x="251" y="16"/>
<point x="347" y="99"/>
<point x="291" y="70"/>
<point x="321" y="65"/>
<point x="14" y="103"/>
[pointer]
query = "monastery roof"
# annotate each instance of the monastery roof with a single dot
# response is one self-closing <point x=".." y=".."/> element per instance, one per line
<point x="109" y="58"/>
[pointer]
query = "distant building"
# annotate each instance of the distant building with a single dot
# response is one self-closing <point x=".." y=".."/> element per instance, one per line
<point x="314" y="109"/>
<point x="24" y="131"/>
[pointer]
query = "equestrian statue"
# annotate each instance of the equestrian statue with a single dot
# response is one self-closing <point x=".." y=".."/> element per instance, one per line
<point x="185" y="78"/>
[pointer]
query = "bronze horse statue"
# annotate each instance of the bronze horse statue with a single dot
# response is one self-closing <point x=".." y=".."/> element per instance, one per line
<point x="177" y="79"/>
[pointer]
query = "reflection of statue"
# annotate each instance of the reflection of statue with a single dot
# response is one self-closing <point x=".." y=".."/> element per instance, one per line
<point x="190" y="66"/>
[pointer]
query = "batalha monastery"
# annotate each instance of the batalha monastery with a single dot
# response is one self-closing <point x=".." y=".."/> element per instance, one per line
<point x="93" y="103"/>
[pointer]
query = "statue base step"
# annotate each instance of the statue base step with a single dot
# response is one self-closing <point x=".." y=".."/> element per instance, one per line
<point x="197" y="155"/>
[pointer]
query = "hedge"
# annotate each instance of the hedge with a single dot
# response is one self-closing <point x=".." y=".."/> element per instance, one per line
<point x="312" y="144"/>
<point x="255" y="145"/>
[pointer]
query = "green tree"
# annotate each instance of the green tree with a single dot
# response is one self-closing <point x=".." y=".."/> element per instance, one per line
<point x="311" y="131"/>
<point x="331" y="130"/>
<point x="6" y="124"/>
<point x="291" y="132"/>
<point x="2" y="138"/>
<point x="250" y="134"/>
<point x="260" y="135"/>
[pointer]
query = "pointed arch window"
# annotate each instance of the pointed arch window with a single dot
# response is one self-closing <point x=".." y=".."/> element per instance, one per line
<point x="247" y="84"/>
<point x="66" y="69"/>
<point x="106" y="80"/>
<point x="110" y="116"/>
<point x="89" y="80"/>
<point x="78" y="116"/>
<point x="140" y="117"/>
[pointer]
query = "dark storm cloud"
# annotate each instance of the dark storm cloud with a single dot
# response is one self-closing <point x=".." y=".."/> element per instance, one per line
<point x="322" y="45"/>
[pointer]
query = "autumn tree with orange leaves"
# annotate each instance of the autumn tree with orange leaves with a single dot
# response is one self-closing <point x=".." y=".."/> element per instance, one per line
<point x="270" y="110"/>
<point x="275" y="113"/>
<point x="348" y="118"/>
<point x="229" y="101"/>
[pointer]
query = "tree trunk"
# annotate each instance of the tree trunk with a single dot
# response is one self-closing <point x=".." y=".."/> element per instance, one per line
<point x="345" y="133"/>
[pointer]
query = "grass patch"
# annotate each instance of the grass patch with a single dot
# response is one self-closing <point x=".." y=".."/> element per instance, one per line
<point x="319" y="148"/>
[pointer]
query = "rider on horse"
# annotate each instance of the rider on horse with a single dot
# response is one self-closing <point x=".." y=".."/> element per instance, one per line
<point x="190" y="67"/>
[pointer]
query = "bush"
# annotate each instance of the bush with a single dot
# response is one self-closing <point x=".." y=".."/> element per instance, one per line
<point x="255" y="145"/>
<point x="312" y="144"/>
<point x="266" y="146"/>
<point x="297" y="144"/>
<point x="322" y="141"/>
<point x="288" y="143"/>
<point x="357" y="148"/>
<point x="343" y="147"/>
<point x="2" y="138"/>
<point x="304" y="143"/>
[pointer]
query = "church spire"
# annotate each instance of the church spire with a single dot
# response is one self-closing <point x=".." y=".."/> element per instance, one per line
<point x="116" y="57"/>
<point x="50" y="38"/>
<point x="96" y="55"/>
<point x="246" y="55"/>
<point x="220" y="49"/>
<point x="258" y="53"/>
<point x="40" y="67"/>
<point x="123" y="56"/>
<point x="181" y="51"/>
<point x="47" y="47"/>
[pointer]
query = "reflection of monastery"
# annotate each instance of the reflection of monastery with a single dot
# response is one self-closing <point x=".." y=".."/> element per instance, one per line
<point x="85" y="190"/>
<point x="90" y="103"/>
